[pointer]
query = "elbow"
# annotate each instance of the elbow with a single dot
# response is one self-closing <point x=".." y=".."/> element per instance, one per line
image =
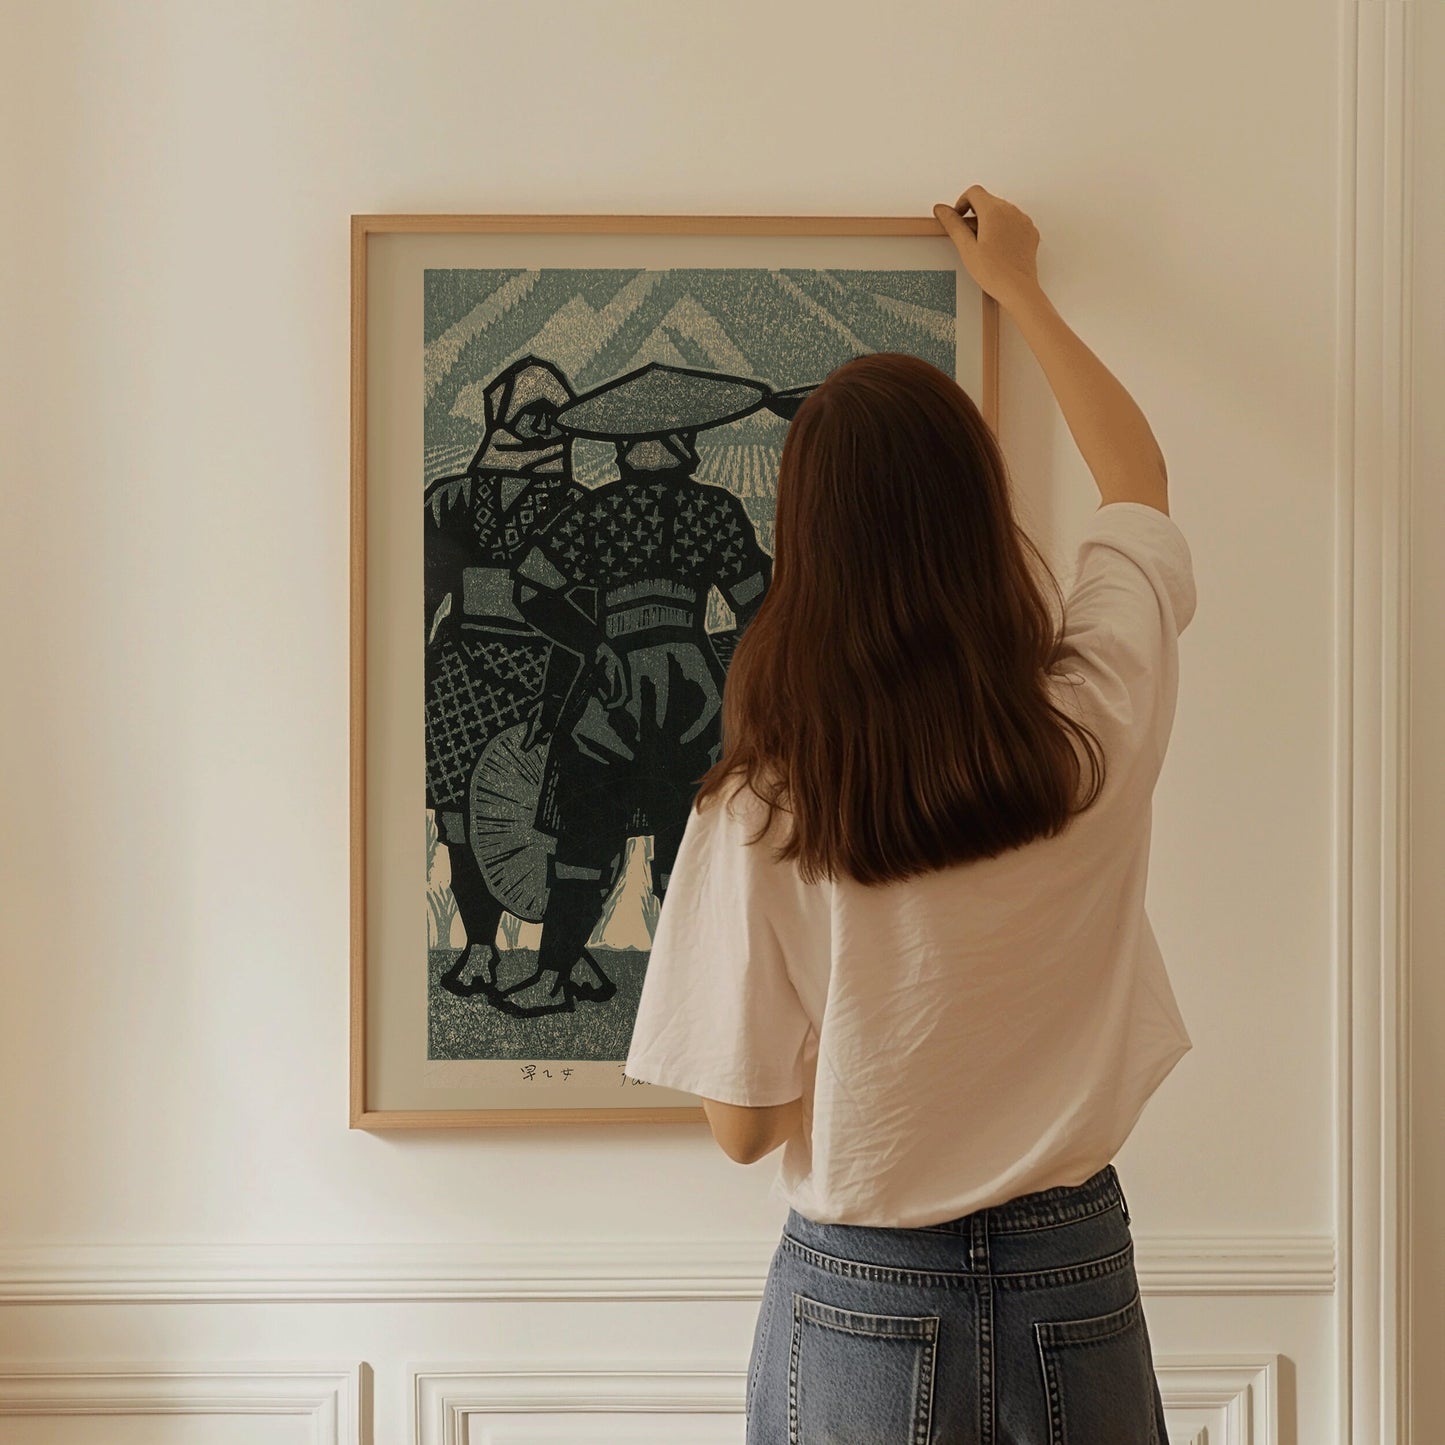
<point x="744" y="1133"/>
<point x="754" y="1156"/>
<point x="743" y="1148"/>
<point x="755" y="1150"/>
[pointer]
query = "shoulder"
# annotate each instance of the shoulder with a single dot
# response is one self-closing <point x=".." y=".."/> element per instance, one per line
<point x="739" y="811"/>
<point x="734" y="798"/>
<point x="1139" y="547"/>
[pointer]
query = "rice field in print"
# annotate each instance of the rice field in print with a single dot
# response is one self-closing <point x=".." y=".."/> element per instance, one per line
<point x="599" y="476"/>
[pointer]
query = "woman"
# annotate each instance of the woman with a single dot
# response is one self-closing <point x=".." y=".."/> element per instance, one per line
<point x="906" y="935"/>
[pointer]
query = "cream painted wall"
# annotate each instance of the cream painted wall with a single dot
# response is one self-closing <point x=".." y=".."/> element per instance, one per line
<point x="173" y="823"/>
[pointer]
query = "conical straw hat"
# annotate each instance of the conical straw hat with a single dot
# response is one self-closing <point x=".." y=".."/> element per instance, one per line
<point x="658" y="399"/>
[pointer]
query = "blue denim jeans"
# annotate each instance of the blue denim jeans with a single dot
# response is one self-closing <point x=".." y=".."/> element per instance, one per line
<point x="1015" y="1325"/>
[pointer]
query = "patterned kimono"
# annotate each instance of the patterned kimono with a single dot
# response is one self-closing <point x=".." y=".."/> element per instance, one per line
<point x="484" y="662"/>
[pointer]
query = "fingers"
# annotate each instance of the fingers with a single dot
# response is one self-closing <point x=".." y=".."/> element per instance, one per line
<point x="959" y="229"/>
<point x="976" y="197"/>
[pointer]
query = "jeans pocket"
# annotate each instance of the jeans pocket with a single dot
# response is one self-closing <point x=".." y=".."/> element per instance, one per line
<point x="1099" y="1378"/>
<point x="859" y="1376"/>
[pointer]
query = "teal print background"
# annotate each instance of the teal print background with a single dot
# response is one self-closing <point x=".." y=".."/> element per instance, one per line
<point x="785" y="328"/>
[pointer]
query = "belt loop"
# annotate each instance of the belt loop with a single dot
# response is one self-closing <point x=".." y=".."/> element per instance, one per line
<point x="1123" y="1203"/>
<point x="978" y="1240"/>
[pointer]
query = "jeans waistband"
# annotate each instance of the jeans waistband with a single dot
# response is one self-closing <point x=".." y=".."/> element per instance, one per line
<point x="1041" y="1209"/>
<point x="1046" y="1207"/>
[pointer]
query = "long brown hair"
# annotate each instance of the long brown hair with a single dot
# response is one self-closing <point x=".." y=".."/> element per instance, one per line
<point x="890" y="694"/>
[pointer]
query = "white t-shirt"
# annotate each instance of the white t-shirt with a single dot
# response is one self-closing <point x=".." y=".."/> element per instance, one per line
<point x="972" y="1034"/>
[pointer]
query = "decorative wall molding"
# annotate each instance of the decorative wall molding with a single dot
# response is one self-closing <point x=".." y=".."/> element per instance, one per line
<point x="328" y="1396"/>
<point x="1209" y="1399"/>
<point x="579" y="1270"/>
<point x="1220" y="1399"/>
<point x="1372" y="498"/>
<point x="445" y="1398"/>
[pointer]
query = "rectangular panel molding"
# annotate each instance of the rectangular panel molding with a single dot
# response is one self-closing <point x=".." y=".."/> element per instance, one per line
<point x="327" y="1396"/>
<point x="1209" y="1400"/>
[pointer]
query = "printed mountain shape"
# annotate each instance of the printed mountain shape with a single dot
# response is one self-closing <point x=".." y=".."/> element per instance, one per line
<point x="785" y="328"/>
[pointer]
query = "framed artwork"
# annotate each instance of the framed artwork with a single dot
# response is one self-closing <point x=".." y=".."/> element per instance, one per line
<point x="565" y="442"/>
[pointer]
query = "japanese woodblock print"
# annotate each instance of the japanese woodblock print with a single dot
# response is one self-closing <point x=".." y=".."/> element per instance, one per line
<point x="600" y="465"/>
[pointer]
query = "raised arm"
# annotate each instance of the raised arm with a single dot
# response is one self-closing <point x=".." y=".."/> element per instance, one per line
<point x="998" y="244"/>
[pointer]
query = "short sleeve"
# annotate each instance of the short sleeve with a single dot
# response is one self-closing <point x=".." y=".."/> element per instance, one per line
<point x="1133" y="594"/>
<point x="719" y="1016"/>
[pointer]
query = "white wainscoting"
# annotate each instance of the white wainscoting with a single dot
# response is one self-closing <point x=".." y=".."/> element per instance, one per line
<point x="1208" y="1399"/>
<point x="327" y="1399"/>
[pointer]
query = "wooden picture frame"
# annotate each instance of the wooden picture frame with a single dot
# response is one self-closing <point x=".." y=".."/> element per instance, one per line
<point x="387" y="1081"/>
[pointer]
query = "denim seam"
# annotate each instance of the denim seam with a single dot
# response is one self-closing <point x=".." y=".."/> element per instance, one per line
<point x="827" y="1324"/>
<point x="986" y="1364"/>
<point x="1069" y="1273"/>
<point x="1051" y="1390"/>
<point x="793" y="1372"/>
<point x="898" y="1274"/>
<point x="769" y="1305"/>
<point x="923" y="1402"/>
<point x="980" y="1260"/>
<point x="956" y="1279"/>
<point x="904" y="1327"/>
<point x="1079" y="1333"/>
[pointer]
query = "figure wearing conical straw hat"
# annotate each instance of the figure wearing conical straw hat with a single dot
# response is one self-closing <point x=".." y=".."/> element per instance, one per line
<point x="485" y="664"/>
<point x="642" y="723"/>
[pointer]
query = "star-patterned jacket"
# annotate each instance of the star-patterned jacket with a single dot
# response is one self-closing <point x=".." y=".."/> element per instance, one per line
<point x="668" y="528"/>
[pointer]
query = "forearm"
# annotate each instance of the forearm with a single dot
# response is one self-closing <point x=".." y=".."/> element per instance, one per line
<point x="1107" y="425"/>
